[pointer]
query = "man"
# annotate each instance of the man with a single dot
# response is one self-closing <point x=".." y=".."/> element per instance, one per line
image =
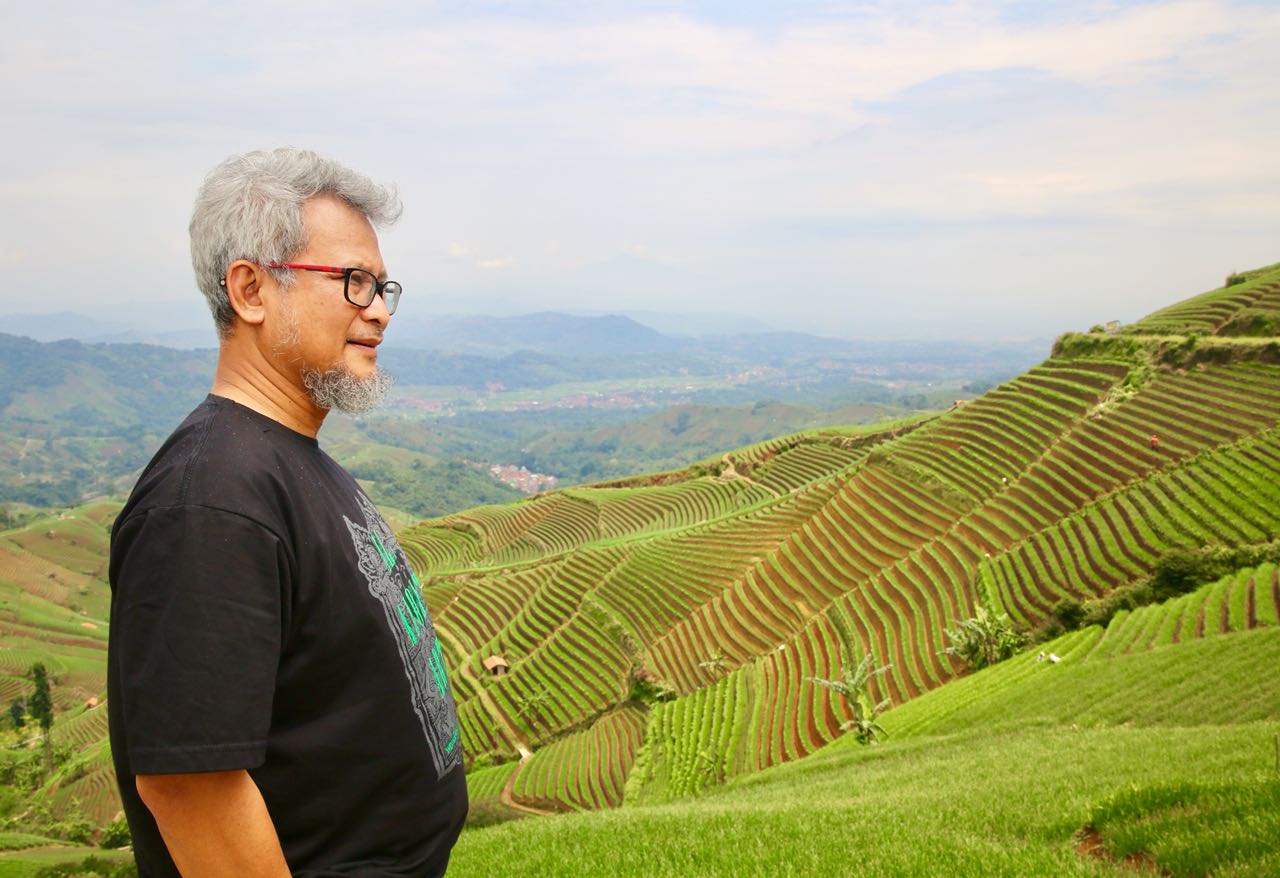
<point x="277" y="694"/>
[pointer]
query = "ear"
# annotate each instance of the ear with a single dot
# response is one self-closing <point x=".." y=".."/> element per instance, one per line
<point x="244" y="282"/>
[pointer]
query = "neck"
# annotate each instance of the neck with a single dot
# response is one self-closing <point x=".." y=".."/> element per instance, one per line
<point x="243" y="375"/>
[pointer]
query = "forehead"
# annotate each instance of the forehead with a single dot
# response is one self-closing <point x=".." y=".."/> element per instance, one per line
<point x="336" y="230"/>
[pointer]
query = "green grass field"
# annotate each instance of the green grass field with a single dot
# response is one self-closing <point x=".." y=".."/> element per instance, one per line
<point x="1004" y="783"/>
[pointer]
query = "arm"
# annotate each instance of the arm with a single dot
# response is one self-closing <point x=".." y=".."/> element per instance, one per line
<point x="214" y="823"/>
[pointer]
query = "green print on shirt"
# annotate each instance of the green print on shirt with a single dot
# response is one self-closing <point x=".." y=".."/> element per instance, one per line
<point x="415" y="620"/>
<point x="387" y="557"/>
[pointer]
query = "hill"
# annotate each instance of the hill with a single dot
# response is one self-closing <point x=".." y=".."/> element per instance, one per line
<point x="78" y="421"/>
<point x="54" y="603"/>
<point x="1155" y="761"/>
<point x="731" y="584"/>
<point x="678" y="435"/>
<point x="663" y="632"/>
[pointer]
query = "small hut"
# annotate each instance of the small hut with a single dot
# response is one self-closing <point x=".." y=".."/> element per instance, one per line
<point x="496" y="665"/>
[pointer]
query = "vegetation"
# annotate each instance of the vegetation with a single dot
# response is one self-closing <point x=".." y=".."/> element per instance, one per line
<point x="675" y="639"/>
<point x="429" y="490"/>
<point x="1193" y="828"/>
<point x="1010" y="788"/>
<point x="855" y="688"/>
<point x="739" y="582"/>
<point x="1185" y="569"/>
<point x="985" y="639"/>
<point x="79" y="421"/>
<point x="40" y="706"/>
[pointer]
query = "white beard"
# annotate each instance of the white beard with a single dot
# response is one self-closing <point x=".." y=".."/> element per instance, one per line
<point x="340" y="389"/>
<point x="336" y="388"/>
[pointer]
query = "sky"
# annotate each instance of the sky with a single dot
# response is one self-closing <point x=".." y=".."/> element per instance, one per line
<point x="864" y="169"/>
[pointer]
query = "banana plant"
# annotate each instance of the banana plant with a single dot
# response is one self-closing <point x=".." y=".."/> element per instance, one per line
<point x="855" y="688"/>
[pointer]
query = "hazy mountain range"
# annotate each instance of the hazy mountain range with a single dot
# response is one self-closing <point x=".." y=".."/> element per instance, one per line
<point x="549" y="332"/>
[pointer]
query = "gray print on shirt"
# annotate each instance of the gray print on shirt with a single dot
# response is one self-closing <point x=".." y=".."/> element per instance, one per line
<point x="394" y="584"/>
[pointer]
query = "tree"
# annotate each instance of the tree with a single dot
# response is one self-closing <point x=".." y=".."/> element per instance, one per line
<point x="18" y="713"/>
<point x="41" y="709"/>
<point x="855" y="688"/>
<point x="985" y="639"/>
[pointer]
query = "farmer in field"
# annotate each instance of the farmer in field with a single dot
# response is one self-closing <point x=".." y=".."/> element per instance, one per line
<point x="278" y="699"/>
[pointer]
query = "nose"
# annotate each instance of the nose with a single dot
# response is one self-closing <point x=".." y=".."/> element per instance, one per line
<point x="376" y="311"/>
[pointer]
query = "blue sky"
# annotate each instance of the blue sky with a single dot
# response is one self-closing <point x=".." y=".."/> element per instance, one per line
<point x="861" y="169"/>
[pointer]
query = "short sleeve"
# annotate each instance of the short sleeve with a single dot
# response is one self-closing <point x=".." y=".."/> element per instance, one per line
<point x="197" y="628"/>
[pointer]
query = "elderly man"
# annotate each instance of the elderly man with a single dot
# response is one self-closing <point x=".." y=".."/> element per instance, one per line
<point x="278" y="697"/>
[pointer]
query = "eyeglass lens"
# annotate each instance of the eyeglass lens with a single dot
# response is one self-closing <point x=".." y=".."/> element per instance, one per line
<point x="362" y="286"/>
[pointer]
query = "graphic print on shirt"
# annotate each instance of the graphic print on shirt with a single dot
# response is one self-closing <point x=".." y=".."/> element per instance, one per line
<point x="396" y="587"/>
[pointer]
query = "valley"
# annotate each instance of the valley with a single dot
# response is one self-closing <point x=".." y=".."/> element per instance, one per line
<point x="669" y="625"/>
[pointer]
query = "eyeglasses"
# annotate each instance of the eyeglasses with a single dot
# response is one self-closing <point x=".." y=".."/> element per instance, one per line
<point x="358" y="286"/>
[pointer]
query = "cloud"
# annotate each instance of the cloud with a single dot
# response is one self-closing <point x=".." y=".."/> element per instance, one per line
<point x="755" y="156"/>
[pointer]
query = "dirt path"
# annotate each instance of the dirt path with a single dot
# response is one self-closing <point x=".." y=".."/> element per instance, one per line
<point x="509" y="800"/>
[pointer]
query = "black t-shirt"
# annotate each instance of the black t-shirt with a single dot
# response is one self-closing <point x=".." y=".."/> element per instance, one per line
<point x="264" y="617"/>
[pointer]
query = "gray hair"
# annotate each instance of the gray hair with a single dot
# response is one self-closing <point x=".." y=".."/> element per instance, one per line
<point x="250" y="207"/>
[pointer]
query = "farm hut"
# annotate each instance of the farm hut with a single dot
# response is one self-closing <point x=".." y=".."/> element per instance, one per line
<point x="496" y="665"/>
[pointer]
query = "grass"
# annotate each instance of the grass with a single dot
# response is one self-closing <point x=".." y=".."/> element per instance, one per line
<point x="995" y="774"/>
<point x="1195" y="828"/>
<point x="974" y="804"/>
<point x="26" y="863"/>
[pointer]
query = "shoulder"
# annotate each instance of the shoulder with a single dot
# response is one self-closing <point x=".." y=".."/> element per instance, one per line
<point x="227" y="457"/>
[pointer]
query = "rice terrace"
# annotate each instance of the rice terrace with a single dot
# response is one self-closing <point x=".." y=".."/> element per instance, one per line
<point x="758" y="666"/>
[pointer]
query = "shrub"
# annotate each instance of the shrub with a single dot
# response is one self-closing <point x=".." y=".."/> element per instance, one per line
<point x="1180" y="571"/>
<point x="1126" y="597"/>
<point x="116" y="834"/>
<point x="647" y="688"/>
<point x="1069" y="613"/>
<point x="985" y="639"/>
<point x="88" y="866"/>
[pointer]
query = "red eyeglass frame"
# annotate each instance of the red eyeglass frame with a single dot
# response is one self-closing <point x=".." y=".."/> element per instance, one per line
<point x="379" y="286"/>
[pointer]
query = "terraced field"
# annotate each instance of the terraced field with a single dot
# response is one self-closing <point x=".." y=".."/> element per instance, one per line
<point x="731" y="585"/>
<point x="661" y="635"/>
<point x="1025" y="768"/>
<point x="54" y="602"/>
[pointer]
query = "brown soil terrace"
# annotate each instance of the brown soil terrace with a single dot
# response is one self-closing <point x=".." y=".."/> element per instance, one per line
<point x="1089" y="843"/>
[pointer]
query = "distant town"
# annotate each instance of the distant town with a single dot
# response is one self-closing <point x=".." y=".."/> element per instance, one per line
<point x="521" y="479"/>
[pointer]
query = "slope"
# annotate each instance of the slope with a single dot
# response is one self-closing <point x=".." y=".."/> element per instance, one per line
<point x="1026" y="768"/>
<point x="731" y="583"/>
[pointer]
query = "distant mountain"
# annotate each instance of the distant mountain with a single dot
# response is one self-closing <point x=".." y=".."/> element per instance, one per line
<point x="698" y="324"/>
<point x="185" y="324"/>
<point x="55" y="327"/>
<point x="546" y="332"/>
<point x="472" y="343"/>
